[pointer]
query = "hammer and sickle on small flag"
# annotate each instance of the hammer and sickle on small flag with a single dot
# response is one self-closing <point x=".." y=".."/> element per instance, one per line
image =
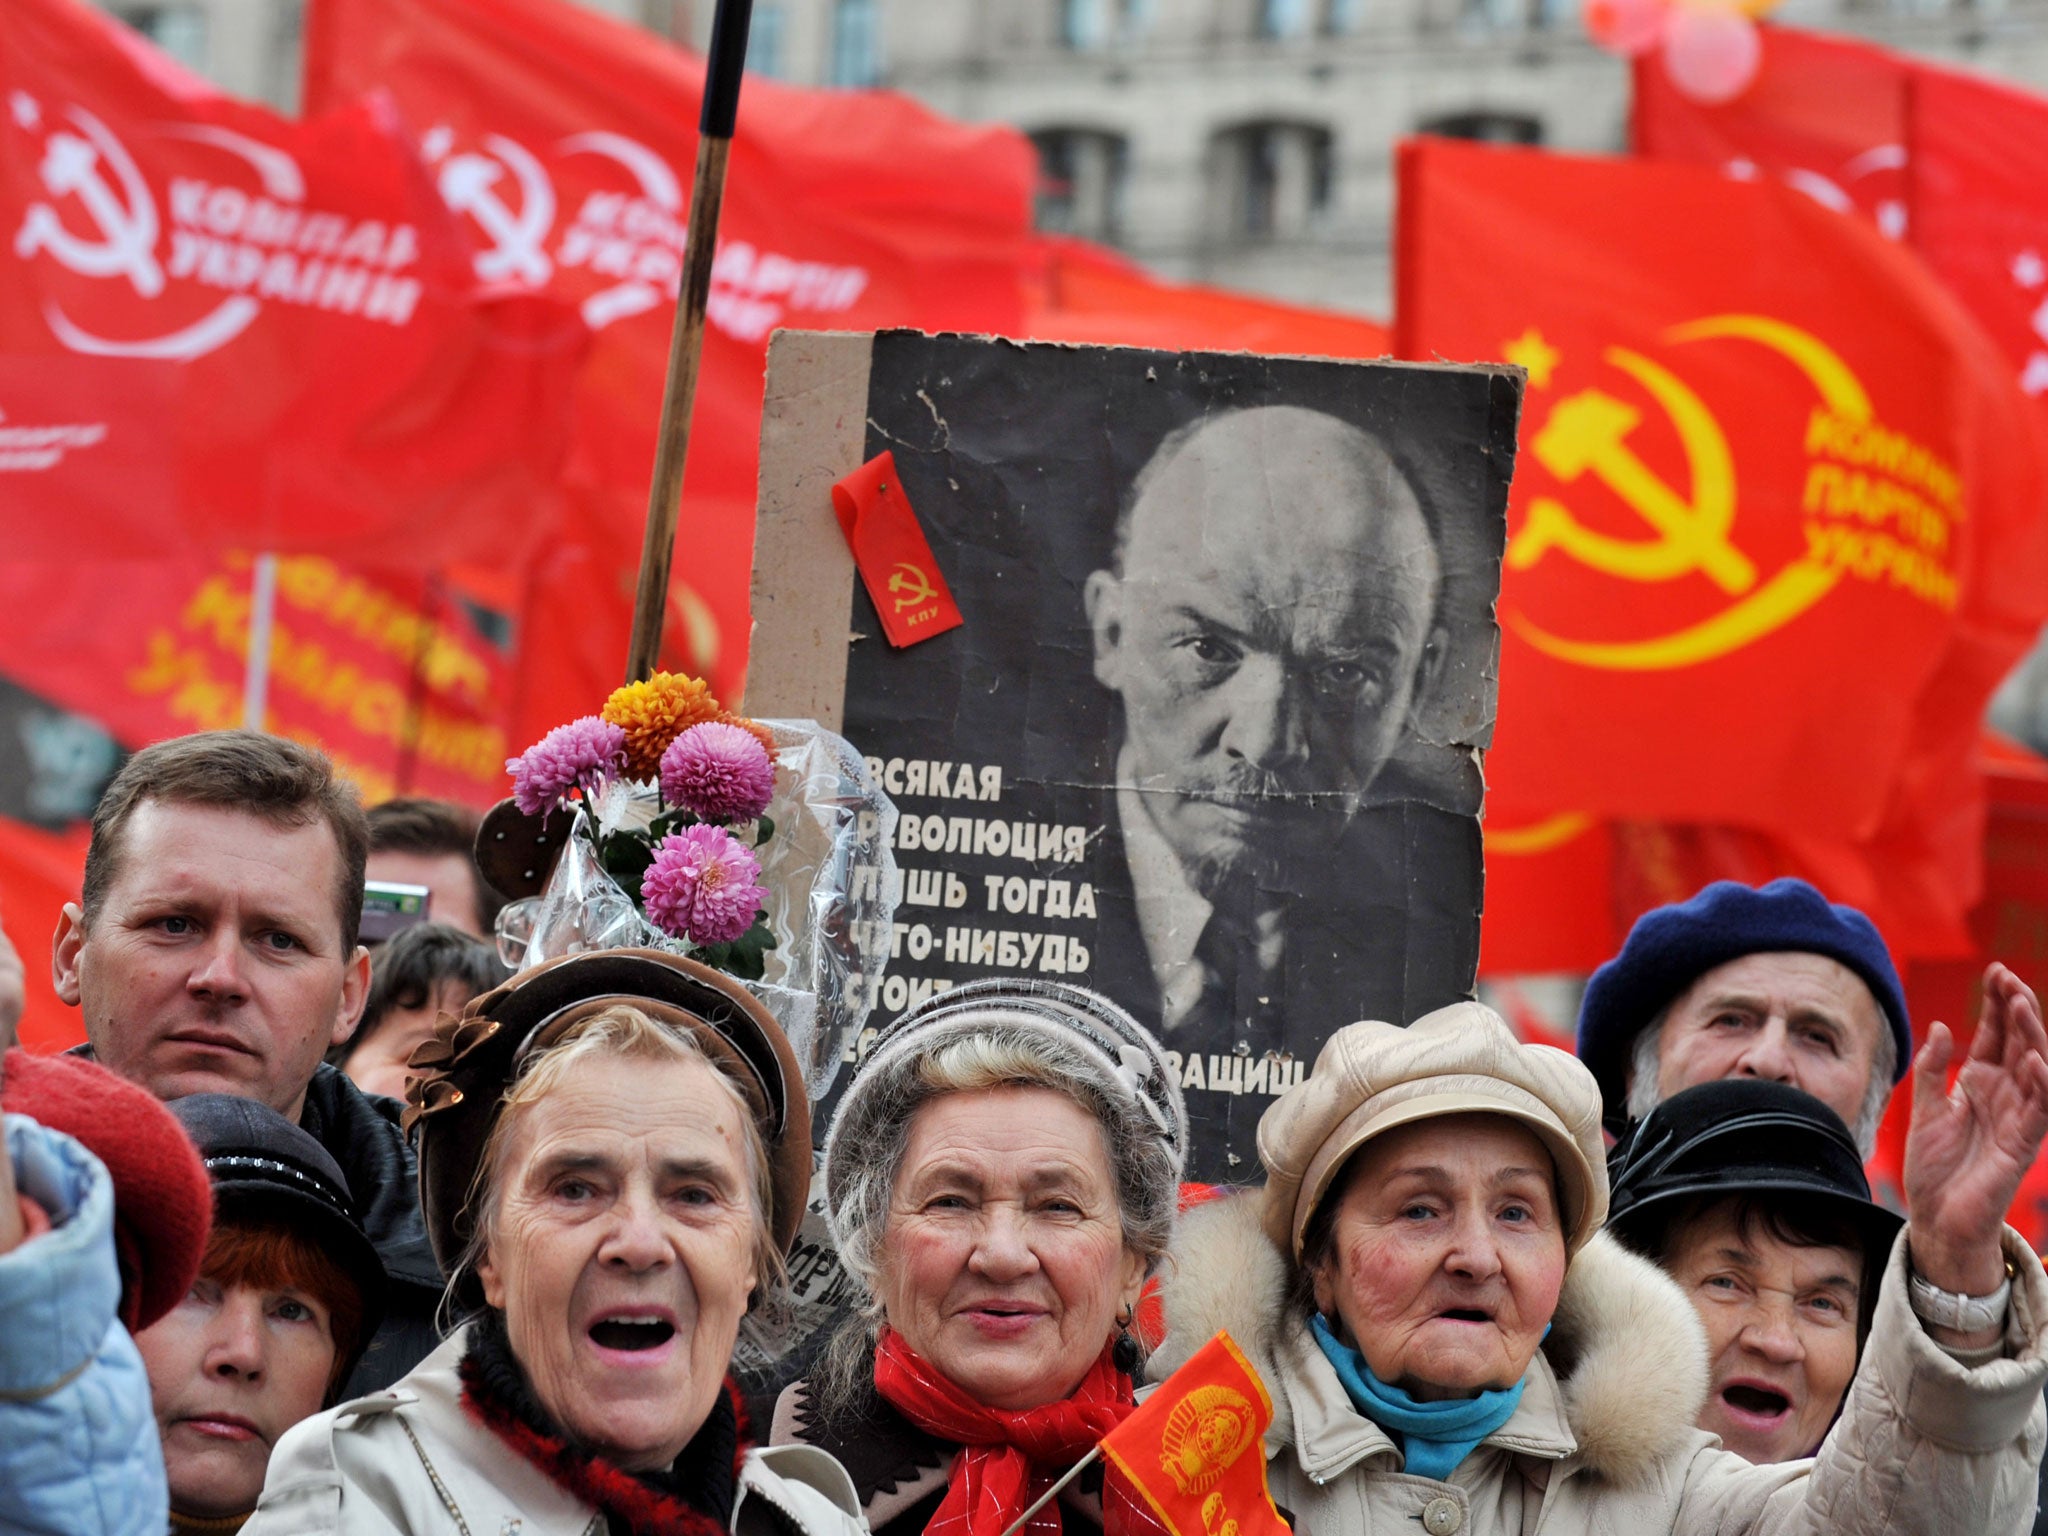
<point x="895" y="559"/>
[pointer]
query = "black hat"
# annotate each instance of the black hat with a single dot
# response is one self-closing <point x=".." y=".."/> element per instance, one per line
<point x="1740" y="1136"/>
<point x="264" y="1168"/>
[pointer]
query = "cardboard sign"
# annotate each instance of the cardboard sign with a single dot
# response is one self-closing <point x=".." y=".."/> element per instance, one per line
<point x="1207" y="740"/>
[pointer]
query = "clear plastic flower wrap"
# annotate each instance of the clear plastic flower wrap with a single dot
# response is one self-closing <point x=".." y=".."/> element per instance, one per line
<point x="829" y="871"/>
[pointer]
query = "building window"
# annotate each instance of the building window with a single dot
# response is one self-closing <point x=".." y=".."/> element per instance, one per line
<point x="1272" y="180"/>
<point x="1081" y="181"/>
<point x="1486" y="127"/>
<point x="180" y="30"/>
<point x="1283" y="18"/>
<point x="856" y="43"/>
<point x="1090" y="25"/>
<point x="1341" y="17"/>
<point x="764" y="40"/>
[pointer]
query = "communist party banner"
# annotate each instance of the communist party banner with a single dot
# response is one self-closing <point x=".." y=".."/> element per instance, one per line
<point x="39" y="872"/>
<point x="1954" y="164"/>
<point x="390" y="677"/>
<point x="565" y="140"/>
<point x="1775" y="510"/>
<point x="219" y="328"/>
<point x="1192" y="1449"/>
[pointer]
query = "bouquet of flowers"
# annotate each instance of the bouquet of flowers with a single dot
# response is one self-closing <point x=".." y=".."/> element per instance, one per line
<point x="668" y="794"/>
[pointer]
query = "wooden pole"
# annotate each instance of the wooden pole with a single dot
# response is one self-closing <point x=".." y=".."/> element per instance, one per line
<point x="723" y="68"/>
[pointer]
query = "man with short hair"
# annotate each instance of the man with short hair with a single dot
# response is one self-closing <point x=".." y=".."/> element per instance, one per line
<point x="214" y="951"/>
<point x="419" y="841"/>
<point x="1770" y="981"/>
<point x="1268" y="624"/>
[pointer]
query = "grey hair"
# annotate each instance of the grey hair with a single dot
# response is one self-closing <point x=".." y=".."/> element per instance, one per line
<point x="970" y="1059"/>
<point x="620" y="1031"/>
<point x="1884" y="1060"/>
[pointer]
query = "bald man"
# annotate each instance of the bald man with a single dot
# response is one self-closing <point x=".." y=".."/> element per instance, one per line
<point x="1268" y="625"/>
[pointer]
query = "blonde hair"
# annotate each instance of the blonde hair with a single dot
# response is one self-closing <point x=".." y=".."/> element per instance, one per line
<point x="619" y="1032"/>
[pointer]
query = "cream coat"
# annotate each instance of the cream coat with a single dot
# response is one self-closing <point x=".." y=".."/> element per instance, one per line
<point x="1603" y="1442"/>
<point x="411" y="1462"/>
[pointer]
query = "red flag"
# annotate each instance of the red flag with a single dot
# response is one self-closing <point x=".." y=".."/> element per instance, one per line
<point x="1825" y="116"/>
<point x="390" y="675"/>
<point x="566" y="140"/>
<point x="1193" y="1448"/>
<point x="223" y="329"/>
<point x="39" y="872"/>
<point x="1767" y="470"/>
<point x="1088" y="293"/>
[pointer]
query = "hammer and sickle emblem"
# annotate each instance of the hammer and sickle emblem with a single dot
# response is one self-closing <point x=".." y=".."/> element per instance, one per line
<point x="1588" y="433"/>
<point x="126" y="218"/>
<point x="468" y="185"/>
<point x="911" y="585"/>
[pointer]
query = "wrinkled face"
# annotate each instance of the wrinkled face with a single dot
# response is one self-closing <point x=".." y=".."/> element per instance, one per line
<point x="623" y="1252"/>
<point x="1004" y="1263"/>
<point x="377" y="1064"/>
<point x="215" y="963"/>
<point x="450" y="880"/>
<point x="231" y="1368"/>
<point x="1781" y="1334"/>
<point x="1448" y="1255"/>
<point x="1786" y="1018"/>
<point x="1265" y="632"/>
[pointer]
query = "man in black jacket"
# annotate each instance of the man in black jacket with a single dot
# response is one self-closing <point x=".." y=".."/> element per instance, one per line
<point x="214" y="951"/>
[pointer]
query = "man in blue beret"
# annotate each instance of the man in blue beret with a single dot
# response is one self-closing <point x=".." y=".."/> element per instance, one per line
<point x="1772" y="981"/>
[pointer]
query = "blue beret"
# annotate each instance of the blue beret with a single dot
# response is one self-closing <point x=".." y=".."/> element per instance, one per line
<point x="1671" y="948"/>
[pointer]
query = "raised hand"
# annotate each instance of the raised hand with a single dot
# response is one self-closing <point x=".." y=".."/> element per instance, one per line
<point x="1971" y="1142"/>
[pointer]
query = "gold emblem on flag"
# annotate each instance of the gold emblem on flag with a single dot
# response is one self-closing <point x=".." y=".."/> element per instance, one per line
<point x="1206" y="1431"/>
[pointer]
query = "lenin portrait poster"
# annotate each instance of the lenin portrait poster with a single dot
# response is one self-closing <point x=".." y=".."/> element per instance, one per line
<point x="1207" y="739"/>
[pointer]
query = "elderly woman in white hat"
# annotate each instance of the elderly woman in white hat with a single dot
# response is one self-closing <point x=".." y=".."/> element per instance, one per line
<point x="1453" y="1346"/>
<point x="1001" y="1177"/>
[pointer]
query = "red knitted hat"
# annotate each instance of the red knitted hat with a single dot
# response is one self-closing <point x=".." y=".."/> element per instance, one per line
<point x="163" y="1203"/>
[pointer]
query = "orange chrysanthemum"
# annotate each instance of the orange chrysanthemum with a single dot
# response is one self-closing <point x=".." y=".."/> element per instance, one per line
<point x="753" y="728"/>
<point x="654" y="713"/>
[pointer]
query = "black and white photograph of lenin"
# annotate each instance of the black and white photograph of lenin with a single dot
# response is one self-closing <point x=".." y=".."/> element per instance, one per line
<point x="1230" y="643"/>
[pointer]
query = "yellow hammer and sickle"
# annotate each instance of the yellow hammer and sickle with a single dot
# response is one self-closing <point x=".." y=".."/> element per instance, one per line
<point x="911" y="585"/>
<point x="1693" y="534"/>
<point x="1588" y="432"/>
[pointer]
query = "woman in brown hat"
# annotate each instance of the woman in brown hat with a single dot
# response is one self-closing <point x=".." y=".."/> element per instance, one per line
<point x="614" y="1155"/>
<point x="1454" y="1347"/>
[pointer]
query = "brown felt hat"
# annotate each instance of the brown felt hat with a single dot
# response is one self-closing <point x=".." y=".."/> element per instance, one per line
<point x="1462" y="1060"/>
<point x="465" y="1070"/>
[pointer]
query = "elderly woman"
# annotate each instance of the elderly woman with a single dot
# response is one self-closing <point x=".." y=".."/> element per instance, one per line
<point x="1453" y="1347"/>
<point x="1001" y="1177"/>
<point x="614" y="1154"/>
<point x="1751" y="1195"/>
<point x="285" y="1302"/>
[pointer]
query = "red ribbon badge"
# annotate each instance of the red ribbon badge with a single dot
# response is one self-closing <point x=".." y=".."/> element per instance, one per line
<point x="895" y="559"/>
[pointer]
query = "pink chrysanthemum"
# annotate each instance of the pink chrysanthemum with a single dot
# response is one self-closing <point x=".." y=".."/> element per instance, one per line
<point x="579" y="753"/>
<point x="701" y="886"/>
<point x="717" y="772"/>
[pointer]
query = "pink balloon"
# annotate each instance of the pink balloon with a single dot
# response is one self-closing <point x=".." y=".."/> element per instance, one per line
<point x="1711" y="55"/>
<point x="1627" y="27"/>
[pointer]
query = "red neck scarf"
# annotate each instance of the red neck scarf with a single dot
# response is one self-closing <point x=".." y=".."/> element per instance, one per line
<point x="1007" y="1459"/>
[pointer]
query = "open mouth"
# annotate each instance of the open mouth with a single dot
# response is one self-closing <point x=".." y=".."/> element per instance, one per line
<point x="1466" y="1315"/>
<point x="632" y="1334"/>
<point x="1761" y="1401"/>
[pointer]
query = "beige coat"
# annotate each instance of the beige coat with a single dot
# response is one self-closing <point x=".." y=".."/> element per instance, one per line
<point x="1604" y="1443"/>
<point x="411" y="1462"/>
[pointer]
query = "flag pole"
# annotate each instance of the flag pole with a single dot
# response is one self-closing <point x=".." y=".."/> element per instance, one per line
<point x="1046" y="1497"/>
<point x="723" y="65"/>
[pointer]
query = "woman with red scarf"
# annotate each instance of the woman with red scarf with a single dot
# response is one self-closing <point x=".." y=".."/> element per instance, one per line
<point x="1001" y="1176"/>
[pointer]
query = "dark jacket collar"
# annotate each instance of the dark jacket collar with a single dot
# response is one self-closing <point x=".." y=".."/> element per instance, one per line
<point x="360" y="1132"/>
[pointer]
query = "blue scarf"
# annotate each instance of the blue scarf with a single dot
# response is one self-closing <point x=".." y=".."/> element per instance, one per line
<point x="1434" y="1437"/>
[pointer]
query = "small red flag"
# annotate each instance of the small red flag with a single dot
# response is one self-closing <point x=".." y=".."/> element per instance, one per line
<point x="1192" y="1448"/>
<point x="895" y="559"/>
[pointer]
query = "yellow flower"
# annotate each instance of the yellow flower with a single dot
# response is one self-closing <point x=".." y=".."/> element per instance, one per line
<point x="654" y="713"/>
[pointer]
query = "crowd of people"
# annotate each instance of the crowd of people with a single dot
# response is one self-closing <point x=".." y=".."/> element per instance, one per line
<point x="309" y="1240"/>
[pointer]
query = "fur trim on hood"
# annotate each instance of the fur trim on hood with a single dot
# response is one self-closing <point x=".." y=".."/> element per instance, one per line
<point x="1626" y="1345"/>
